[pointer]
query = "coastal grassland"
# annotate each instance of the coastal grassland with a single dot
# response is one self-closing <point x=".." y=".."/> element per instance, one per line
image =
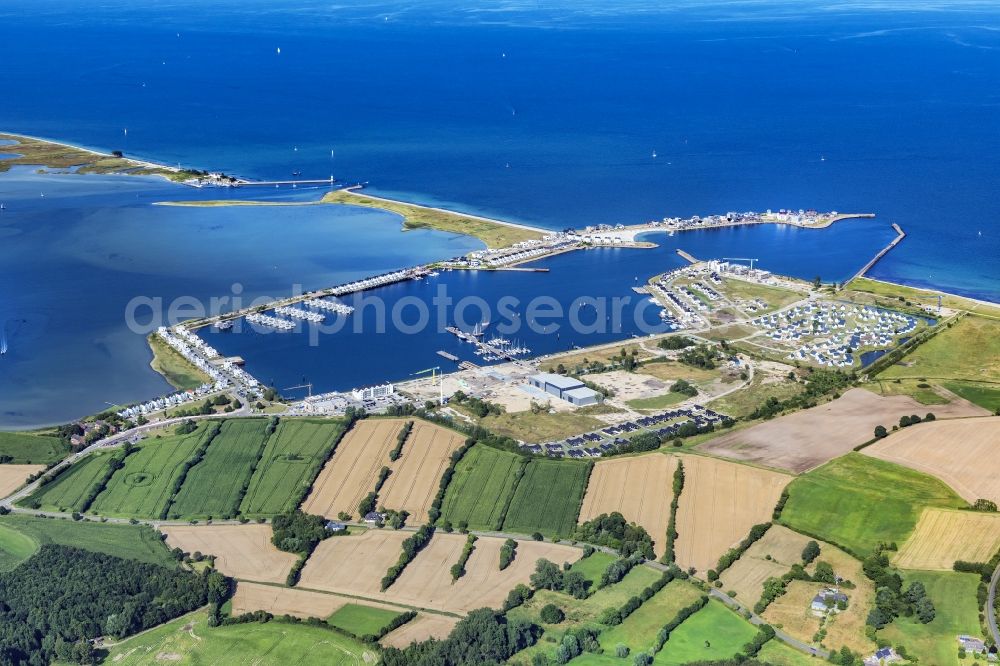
<point x="15" y="547"/>
<point x="777" y="653"/>
<point x="362" y="620"/>
<point x="639" y="629"/>
<point x="856" y="501"/>
<point x="607" y="355"/>
<point x="986" y="396"/>
<point x="968" y="350"/>
<point x="579" y="612"/>
<point x="713" y="633"/>
<point x="69" y="491"/>
<point x="214" y="486"/>
<point x="744" y="401"/>
<point x="177" y="370"/>
<point x="292" y="456"/>
<point x="481" y="488"/>
<point x="891" y="293"/>
<point x="729" y="332"/>
<point x="593" y="566"/>
<point x="776" y="297"/>
<point x="30" y="449"/>
<point x="548" y="498"/>
<point x="954" y="597"/>
<point x="143" y="487"/>
<point x="189" y="640"/>
<point x="493" y="233"/>
<point x="135" y="542"/>
<point x="542" y="427"/>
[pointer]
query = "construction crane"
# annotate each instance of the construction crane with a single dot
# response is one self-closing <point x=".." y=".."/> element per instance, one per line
<point x="741" y="259"/>
<point x="435" y="372"/>
<point x="305" y="386"/>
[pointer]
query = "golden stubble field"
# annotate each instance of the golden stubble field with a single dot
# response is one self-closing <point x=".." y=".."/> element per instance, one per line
<point x="353" y="470"/>
<point x="13" y="476"/>
<point x="354" y="565"/>
<point x="963" y="453"/>
<point x="943" y="536"/>
<point x="720" y="502"/>
<point x="241" y="551"/>
<point x="639" y="488"/>
<point x="420" y="628"/>
<point x="746" y="577"/>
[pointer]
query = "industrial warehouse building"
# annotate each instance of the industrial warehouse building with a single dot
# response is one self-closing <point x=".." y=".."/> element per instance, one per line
<point x="566" y="388"/>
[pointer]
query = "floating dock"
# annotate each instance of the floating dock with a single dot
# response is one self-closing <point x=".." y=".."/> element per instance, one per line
<point x="450" y="357"/>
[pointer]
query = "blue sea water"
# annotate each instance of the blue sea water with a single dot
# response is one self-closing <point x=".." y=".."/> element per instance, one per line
<point x="543" y="112"/>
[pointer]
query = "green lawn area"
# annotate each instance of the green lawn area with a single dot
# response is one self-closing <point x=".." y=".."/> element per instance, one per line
<point x="921" y="296"/>
<point x="777" y="653"/>
<point x="984" y="395"/>
<point x="594" y="566"/>
<point x="15" y="547"/>
<point x="291" y="459"/>
<point x="658" y="401"/>
<point x="969" y="350"/>
<point x="481" y="487"/>
<point x="714" y="632"/>
<point x="28" y="449"/>
<point x="189" y="640"/>
<point x="362" y="620"/>
<point x="639" y="629"/>
<point x="70" y="489"/>
<point x="137" y="542"/>
<point x="177" y="370"/>
<point x="213" y="487"/>
<point x="776" y="297"/>
<point x="954" y="597"/>
<point x="143" y="487"/>
<point x="856" y="502"/>
<point x="548" y="497"/>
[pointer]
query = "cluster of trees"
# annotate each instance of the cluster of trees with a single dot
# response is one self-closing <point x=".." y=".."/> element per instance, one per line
<point x="817" y="383"/>
<point x="701" y="356"/>
<point x="508" y="551"/>
<point x="186" y="427"/>
<point x="613" y="531"/>
<point x="395" y="519"/>
<point x="775" y="587"/>
<point x="478" y="407"/>
<point x="733" y="554"/>
<point x="676" y="342"/>
<point x="684" y="387"/>
<point x="404" y="432"/>
<point x="272" y="425"/>
<point x="300" y="533"/>
<point x="458" y="568"/>
<point x="891" y="600"/>
<point x="517" y="596"/>
<point x="548" y="576"/>
<point x="669" y="555"/>
<point x="411" y="546"/>
<point x="575" y="642"/>
<point x="618" y="569"/>
<point x="370" y="501"/>
<point x="58" y="599"/>
<point x="482" y="637"/>
<point x="985" y="505"/>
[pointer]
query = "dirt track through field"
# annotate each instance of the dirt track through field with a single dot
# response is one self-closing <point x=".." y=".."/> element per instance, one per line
<point x="355" y="565"/>
<point x="721" y="501"/>
<point x="13" y="476"/>
<point x="420" y="628"/>
<point x="806" y="439"/>
<point x="353" y="470"/>
<point x="241" y="551"/>
<point x="965" y="454"/>
<point x="639" y="488"/>
<point x="942" y="537"/>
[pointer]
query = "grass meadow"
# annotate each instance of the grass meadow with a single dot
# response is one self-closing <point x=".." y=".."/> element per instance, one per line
<point x="28" y="449"/>
<point x="713" y="633"/>
<point x="362" y="620"/>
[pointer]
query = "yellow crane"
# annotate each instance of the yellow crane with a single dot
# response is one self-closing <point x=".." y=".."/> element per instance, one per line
<point x="435" y="372"/>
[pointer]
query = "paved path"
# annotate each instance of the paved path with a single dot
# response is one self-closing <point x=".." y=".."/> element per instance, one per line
<point x="991" y="616"/>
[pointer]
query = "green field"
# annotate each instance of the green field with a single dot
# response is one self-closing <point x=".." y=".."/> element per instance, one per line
<point x="777" y="653"/>
<point x="856" y="502"/>
<point x="15" y="547"/>
<point x="639" y="629"/>
<point x="594" y="566"/>
<point x="28" y="449"/>
<point x="548" y="498"/>
<point x="714" y="632"/>
<point x="984" y="395"/>
<point x="362" y="620"/>
<point x="483" y="482"/>
<point x="954" y="597"/>
<point x="189" y="640"/>
<point x="129" y="541"/>
<point x="143" y="487"/>
<point x="658" y="401"/>
<point x="969" y="350"/>
<point x="293" y="454"/>
<point x="921" y="296"/>
<point x="70" y="489"/>
<point x="177" y="370"/>
<point x="213" y="486"/>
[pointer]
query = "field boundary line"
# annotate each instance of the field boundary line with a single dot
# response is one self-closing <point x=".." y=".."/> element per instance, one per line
<point x="357" y="597"/>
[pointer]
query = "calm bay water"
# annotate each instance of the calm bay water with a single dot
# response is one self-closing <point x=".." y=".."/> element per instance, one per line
<point x="546" y="113"/>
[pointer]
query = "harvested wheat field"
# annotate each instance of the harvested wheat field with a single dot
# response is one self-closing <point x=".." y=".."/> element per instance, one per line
<point x="353" y="564"/>
<point x="746" y="577"/>
<point x="721" y="501"/>
<point x="13" y="476"/>
<point x="808" y="438"/>
<point x="639" y="488"/>
<point x="420" y="628"/>
<point x="416" y="476"/>
<point x="942" y="537"/>
<point x="353" y="470"/>
<point x="252" y="597"/>
<point x="241" y="551"/>
<point x="964" y="453"/>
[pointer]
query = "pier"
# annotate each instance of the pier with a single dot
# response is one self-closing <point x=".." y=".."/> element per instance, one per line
<point x="444" y="354"/>
<point x="900" y="235"/>
<point x="687" y="256"/>
<point x="278" y="183"/>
